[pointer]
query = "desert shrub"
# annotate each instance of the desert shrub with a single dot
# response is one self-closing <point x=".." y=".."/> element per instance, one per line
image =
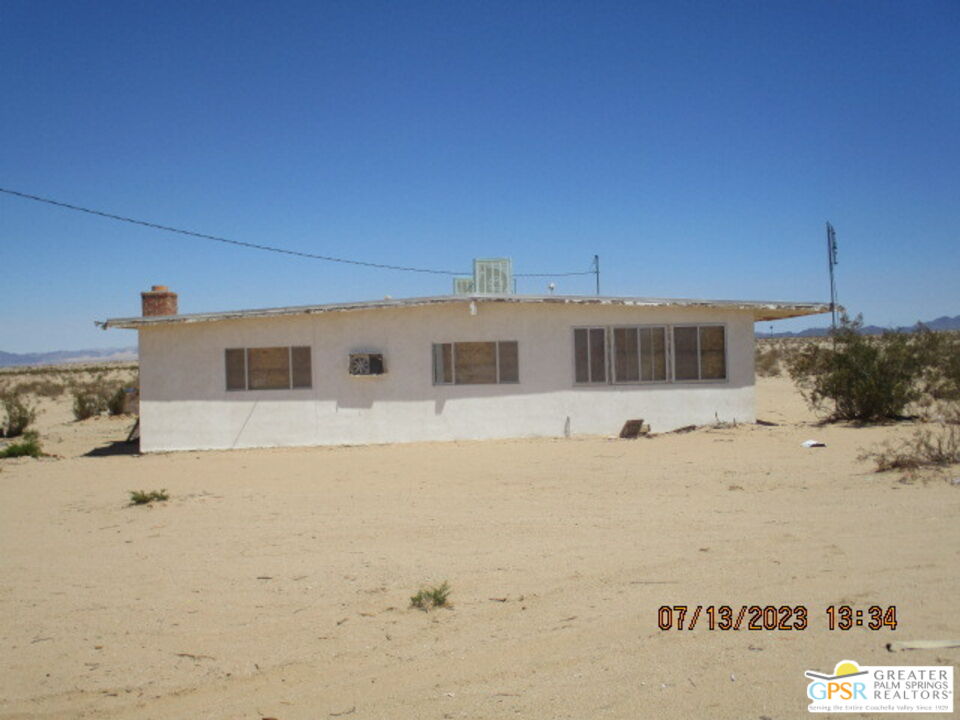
<point x="951" y="413"/>
<point x="29" y="446"/>
<point x="940" y="355"/>
<point x="950" y="369"/>
<point x="86" y="404"/>
<point x="431" y="597"/>
<point x="141" y="497"/>
<point x="927" y="447"/>
<point x="866" y="378"/>
<point x="18" y="414"/>
<point x="71" y="369"/>
<point x="116" y="401"/>
<point x="767" y="361"/>
<point x="99" y="395"/>
<point x="42" y="388"/>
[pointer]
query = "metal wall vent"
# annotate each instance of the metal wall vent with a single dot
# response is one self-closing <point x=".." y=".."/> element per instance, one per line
<point x="366" y="364"/>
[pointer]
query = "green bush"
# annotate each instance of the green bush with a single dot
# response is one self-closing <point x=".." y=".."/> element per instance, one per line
<point x="866" y="378"/>
<point x="86" y="404"/>
<point x="429" y="597"/>
<point x="140" y="497"/>
<point x="28" y="447"/>
<point x="940" y="355"/>
<point x="18" y="413"/>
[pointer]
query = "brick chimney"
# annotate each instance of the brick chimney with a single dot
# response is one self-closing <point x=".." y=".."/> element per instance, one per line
<point x="159" y="301"/>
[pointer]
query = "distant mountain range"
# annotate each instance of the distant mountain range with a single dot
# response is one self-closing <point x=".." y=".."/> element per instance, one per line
<point x="57" y="357"/>
<point x="941" y="323"/>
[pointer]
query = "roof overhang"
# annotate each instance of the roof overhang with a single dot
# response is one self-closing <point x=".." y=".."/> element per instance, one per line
<point x="762" y="310"/>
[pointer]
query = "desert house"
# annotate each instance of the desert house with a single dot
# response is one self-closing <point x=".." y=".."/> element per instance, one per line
<point x="465" y="366"/>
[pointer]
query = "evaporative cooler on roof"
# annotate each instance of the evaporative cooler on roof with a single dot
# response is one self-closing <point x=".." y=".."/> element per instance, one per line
<point x="493" y="276"/>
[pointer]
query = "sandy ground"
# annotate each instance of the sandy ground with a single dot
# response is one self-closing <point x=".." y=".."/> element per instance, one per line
<point x="276" y="583"/>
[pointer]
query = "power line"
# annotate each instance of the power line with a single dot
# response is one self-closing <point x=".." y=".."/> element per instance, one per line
<point x="257" y="246"/>
<point x="566" y="274"/>
<point x="240" y="243"/>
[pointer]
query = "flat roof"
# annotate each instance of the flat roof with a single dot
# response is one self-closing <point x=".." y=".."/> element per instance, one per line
<point x="762" y="310"/>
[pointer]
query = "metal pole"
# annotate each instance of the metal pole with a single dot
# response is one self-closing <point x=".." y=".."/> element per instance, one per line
<point x="831" y="261"/>
<point x="596" y="271"/>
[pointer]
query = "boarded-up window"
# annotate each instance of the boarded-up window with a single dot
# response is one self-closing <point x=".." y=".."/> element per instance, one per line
<point x="236" y="369"/>
<point x="443" y="364"/>
<point x="653" y="354"/>
<point x="713" y="361"/>
<point x="686" y="363"/>
<point x="273" y="368"/>
<point x="301" y="371"/>
<point x="590" y="355"/>
<point x="598" y="355"/>
<point x="508" y="361"/>
<point x="639" y="354"/>
<point x="626" y="355"/>
<point x="700" y="353"/>
<point x="268" y="368"/>
<point x="581" y="356"/>
<point x="476" y="363"/>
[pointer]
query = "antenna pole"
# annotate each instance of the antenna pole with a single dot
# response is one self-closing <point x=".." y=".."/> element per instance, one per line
<point x="831" y="262"/>
<point x="596" y="271"/>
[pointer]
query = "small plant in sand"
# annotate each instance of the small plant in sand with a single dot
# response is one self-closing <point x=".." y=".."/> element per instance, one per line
<point x="29" y="446"/>
<point x="431" y="597"/>
<point x="141" y="497"/>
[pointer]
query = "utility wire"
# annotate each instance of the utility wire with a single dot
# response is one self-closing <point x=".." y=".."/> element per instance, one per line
<point x="258" y="246"/>
<point x="255" y="246"/>
<point x="567" y="274"/>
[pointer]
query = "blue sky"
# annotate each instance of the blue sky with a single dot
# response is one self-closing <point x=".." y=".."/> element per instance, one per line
<point x="697" y="147"/>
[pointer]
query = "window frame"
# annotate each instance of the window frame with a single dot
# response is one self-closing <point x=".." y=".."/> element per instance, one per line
<point x="700" y="379"/>
<point x="670" y="354"/>
<point x="607" y="338"/>
<point x="667" y="354"/>
<point x="246" y="369"/>
<point x="436" y="352"/>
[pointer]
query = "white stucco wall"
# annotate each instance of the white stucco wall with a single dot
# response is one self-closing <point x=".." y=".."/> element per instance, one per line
<point x="184" y="403"/>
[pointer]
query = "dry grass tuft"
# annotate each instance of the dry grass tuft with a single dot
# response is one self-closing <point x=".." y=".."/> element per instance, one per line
<point x="431" y="597"/>
<point x="925" y="448"/>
